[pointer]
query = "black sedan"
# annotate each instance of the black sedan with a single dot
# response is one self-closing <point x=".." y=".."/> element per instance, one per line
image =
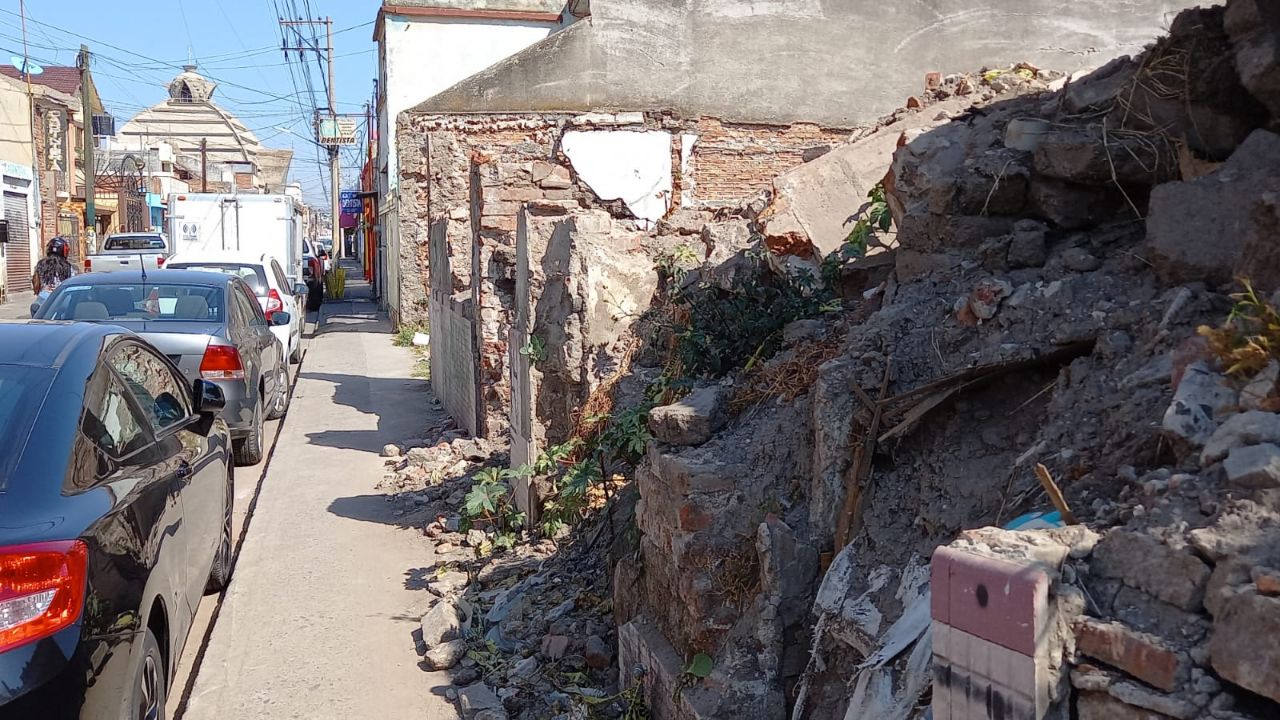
<point x="115" y="518"/>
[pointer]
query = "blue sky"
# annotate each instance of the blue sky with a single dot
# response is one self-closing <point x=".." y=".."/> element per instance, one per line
<point x="140" y="45"/>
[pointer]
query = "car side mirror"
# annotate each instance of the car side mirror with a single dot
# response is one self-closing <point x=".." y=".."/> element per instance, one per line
<point x="300" y="289"/>
<point x="280" y="319"/>
<point x="209" y="401"/>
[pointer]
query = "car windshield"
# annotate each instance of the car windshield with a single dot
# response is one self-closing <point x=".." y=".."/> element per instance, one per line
<point x="134" y="242"/>
<point x="136" y="301"/>
<point x="22" y="390"/>
<point x="253" y="275"/>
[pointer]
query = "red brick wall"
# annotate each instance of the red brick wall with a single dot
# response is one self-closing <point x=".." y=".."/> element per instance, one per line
<point x="732" y="162"/>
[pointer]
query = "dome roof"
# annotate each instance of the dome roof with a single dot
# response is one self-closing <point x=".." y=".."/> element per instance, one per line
<point x="191" y="86"/>
<point x="190" y="116"/>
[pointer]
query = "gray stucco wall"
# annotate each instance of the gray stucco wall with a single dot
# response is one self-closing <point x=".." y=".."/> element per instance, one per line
<point x="835" y="62"/>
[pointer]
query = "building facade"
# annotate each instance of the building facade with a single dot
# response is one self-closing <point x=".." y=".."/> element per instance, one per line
<point x="424" y="47"/>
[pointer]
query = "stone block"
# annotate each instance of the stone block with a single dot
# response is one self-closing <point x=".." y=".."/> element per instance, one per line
<point x="1203" y="397"/>
<point x="478" y="702"/>
<point x="1261" y="390"/>
<point x="1084" y="156"/>
<point x="1260" y="251"/>
<point x="1071" y="205"/>
<point x="1254" y="29"/>
<point x="1243" y="649"/>
<point x="1027" y="246"/>
<point x="551" y="176"/>
<point x="641" y="645"/>
<point x="1254" y="427"/>
<point x="1218" y="205"/>
<point x="1143" y="656"/>
<point x="1174" y="575"/>
<point x="693" y="420"/>
<point x="445" y="655"/>
<point x="442" y="623"/>
<point x="1101" y="706"/>
<point x="1253" y="467"/>
<point x="1267" y="580"/>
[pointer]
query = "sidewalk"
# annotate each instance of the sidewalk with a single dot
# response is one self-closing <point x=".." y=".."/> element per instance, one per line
<point x="18" y="307"/>
<point x="319" y="619"/>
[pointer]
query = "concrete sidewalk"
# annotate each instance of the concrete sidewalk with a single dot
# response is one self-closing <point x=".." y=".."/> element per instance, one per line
<point x="17" y="307"/>
<point x="318" y="622"/>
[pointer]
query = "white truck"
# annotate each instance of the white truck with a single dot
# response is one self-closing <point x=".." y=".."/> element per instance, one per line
<point x="204" y="223"/>
<point x="130" y="251"/>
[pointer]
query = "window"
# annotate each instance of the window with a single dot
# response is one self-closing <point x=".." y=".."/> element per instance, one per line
<point x="281" y="280"/>
<point x="162" y="398"/>
<point x="134" y="242"/>
<point x="149" y="301"/>
<point x="249" y="306"/>
<point x="22" y="389"/>
<point x="251" y="274"/>
<point x="112" y="422"/>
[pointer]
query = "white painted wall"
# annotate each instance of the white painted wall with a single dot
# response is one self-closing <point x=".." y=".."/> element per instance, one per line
<point x="425" y="55"/>
<point x="634" y="167"/>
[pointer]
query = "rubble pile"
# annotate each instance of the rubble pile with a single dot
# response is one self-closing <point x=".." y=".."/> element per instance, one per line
<point x="524" y="632"/>
<point x="1056" y="252"/>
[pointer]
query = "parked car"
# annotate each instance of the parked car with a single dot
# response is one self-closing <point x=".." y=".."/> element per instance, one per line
<point x="313" y="275"/>
<point x="129" y="251"/>
<point x="267" y="279"/>
<point x="209" y="324"/>
<point x="116" y="518"/>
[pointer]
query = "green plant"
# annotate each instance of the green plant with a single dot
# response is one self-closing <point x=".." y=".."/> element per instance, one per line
<point x="1250" y="336"/>
<point x="676" y="263"/>
<point x="699" y="668"/>
<point x="404" y="335"/>
<point x="872" y="219"/>
<point x="535" y="348"/>
<point x="490" y="500"/>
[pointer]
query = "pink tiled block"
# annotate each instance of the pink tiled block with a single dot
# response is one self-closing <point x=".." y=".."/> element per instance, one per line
<point x="998" y="600"/>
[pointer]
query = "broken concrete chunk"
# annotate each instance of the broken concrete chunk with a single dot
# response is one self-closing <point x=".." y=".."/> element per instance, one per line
<point x="1099" y="87"/>
<point x="1027" y="247"/>
<point x="1085" y="156"/>
<point x="1260" y="251"/>
<point x="1254" y="466"/>
<point x="1243" y="648"/>
<point x="442" y="623"/>
<point x="1262" y="388"/>
<point x="550" y="176"/>
<point x="1254" y="28"/>
<point x="693" y="420"/>
<point x="1141" y="697"/>
<point x="1078" y="259"/>
<point x="478" y="702"/>
<point x="445" y="655"/>
<point x="1248" y="428"/>
<point x="1219" y="205"/>
<point x="1200" y="401"/>
<point x="1143" y="656"/>
<point x="1267" y="580"/>
<point x="1174" y="575"/>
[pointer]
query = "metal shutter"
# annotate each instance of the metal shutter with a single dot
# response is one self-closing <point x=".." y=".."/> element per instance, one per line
<point x="18" y="250"/>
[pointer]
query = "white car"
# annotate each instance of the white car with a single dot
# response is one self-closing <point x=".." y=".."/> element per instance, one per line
<point x="264" y="275"/>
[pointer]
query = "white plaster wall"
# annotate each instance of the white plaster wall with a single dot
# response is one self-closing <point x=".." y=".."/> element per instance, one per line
<point x="427" y="55"/>
<point x="634" y="167"/>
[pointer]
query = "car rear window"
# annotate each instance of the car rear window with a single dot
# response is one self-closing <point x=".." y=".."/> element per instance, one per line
<point x="138" y="301"/>
<point x="134" y="242"/>
<point x="253" y="275"/>
<point x="22" y="390"/>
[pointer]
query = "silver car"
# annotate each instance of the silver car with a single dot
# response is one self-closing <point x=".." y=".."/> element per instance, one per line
<point x="209" y="324"/>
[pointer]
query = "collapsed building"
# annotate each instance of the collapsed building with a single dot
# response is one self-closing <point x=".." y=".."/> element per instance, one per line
<point x="858" y="546"/>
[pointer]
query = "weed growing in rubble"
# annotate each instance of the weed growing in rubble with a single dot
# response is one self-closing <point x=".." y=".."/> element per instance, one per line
<point x="676" y="262"/>
<point x="872" y="220"/>
<point x="490" y="500"/>
<point x="535" y="349"/>
<point x="1250" y="336"/>
<point x="404" y="336"/>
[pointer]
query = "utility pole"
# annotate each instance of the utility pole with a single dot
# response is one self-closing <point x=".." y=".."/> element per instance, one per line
<point x="204" y="165"/>
<point x="90" y="212"/>
<point x="335" y="168"/>
<point x="335" y="157"/>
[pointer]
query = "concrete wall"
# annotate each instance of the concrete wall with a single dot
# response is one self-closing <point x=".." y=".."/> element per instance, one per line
<point x="15" y="123"/>
<point x="834" y="62"/>
<point x="453" y="370"/>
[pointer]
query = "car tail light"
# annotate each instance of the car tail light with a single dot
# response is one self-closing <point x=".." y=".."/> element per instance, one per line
<point x="274" y="303"/>
<point x="159" y="261"/>
<point x="221" y="362"/>
<point x="88" y="265"/>
<point x="42" y="590"/>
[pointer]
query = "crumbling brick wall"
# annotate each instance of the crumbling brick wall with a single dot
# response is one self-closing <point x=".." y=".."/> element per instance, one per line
<point x="477" y="172"/>
<point x="733" y="161"/>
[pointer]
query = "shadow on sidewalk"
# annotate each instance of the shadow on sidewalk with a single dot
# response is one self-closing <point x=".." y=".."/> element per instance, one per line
<point x="370" y="397"/>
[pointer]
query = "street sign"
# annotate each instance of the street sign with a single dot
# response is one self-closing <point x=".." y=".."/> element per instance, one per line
<point x="337" y="131"/>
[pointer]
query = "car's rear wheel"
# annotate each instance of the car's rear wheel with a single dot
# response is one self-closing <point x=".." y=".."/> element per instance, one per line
<point x="220" y="573"/>
<point x="281" y="404"/>
<point x="249" y="450"/>
<point x="149" y="686"/>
